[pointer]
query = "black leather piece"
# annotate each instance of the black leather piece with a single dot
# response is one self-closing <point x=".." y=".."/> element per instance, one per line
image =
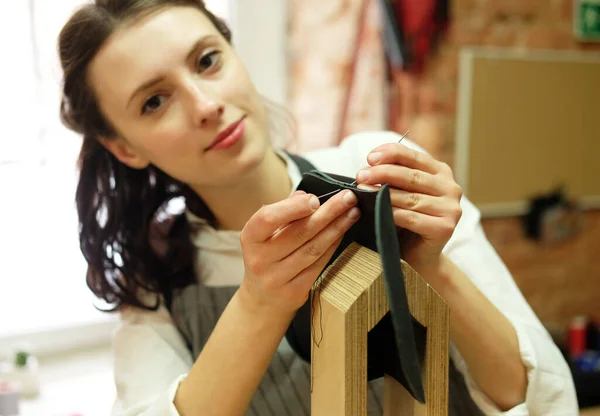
<point x="391" y="344"/>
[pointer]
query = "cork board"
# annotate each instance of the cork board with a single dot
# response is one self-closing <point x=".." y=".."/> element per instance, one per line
<point x="526" y="123"/>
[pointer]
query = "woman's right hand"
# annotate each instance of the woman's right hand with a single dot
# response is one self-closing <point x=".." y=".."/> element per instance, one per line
<point x="287" y="244"/>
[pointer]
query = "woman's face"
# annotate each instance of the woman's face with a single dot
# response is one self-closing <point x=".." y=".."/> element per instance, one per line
<point x="180" y="99"/>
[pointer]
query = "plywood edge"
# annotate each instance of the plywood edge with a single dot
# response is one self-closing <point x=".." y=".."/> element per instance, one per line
<point x="349" y="276"/>
<point x="357" y="273"/>
<point x="420" y="295"/>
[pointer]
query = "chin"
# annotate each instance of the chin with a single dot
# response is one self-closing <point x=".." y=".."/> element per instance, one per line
<point x="255" y="148"/>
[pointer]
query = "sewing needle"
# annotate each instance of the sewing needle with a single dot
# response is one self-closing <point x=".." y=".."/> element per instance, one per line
<point x="354" y="183"/>
<point x="401" y="138"/>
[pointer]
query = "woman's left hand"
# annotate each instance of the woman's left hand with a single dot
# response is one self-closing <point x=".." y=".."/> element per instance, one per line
<point x="425" y="199"/>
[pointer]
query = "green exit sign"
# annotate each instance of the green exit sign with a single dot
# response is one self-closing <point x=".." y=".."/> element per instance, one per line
<point x="587" y="20"/>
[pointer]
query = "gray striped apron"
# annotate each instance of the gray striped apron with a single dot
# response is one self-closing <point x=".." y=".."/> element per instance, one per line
<point x="285" y="388"/>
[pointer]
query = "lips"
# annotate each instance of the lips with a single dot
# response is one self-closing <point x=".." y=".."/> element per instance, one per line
<point x="229" y="136"/>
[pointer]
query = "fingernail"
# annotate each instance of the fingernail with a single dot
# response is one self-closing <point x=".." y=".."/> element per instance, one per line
<point x="363" y="175"/>
<point x="349" y="198"/>
<point x="374" y="157"/>
<point x="354" y="213"/>
<point x="314" y="202"/>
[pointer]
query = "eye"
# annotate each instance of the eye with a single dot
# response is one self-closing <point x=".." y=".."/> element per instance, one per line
<point x="153" y="103"/>
<point x="208" y="60"/>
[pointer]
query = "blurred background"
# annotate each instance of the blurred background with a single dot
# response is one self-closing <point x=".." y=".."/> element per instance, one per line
<point x="505" y="91"/>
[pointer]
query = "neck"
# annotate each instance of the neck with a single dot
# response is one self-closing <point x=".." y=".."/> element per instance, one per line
<point x="233" y="205"/>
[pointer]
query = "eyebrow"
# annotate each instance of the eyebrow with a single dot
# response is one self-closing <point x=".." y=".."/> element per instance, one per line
<point x="156" y="80"/>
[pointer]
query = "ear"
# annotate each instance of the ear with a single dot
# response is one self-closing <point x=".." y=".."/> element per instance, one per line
<point x="125" y="153"/>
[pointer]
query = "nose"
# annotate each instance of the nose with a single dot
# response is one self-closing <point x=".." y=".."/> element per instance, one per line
<point x="205" y="106"/>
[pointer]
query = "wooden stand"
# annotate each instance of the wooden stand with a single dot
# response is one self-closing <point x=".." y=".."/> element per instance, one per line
<point x="349" y="301"/>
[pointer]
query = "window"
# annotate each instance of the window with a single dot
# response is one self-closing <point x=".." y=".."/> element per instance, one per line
<point x="42" y="285"/>
<point x="42" y="272"/>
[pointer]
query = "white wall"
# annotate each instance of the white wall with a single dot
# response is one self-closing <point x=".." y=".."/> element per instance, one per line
<point x="260" y="38"/>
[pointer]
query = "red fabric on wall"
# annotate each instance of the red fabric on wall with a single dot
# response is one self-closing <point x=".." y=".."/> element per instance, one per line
<point x="421" y="22"/>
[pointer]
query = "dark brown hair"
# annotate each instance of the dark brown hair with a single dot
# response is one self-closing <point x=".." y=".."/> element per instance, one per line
<point x="128" y="245"/>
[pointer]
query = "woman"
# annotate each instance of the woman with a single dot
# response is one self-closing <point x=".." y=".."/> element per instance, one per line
<point x="167" y="109"/>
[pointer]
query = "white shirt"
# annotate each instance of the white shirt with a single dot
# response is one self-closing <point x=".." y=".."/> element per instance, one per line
<point x="151" y="358"/>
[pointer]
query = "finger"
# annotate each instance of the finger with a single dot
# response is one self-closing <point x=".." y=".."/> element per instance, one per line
<point x="299" y="232"/>
<point x="434" y="229"/>
<point x="396" y="153"/>
<point x="311" y="251"/>
<point x="304" y="280"/>
<point x="424" y="204"/>
<point x="366" y="187"/>
<point x="268" y="219"/>
<point x="404" y="178"/>
<point x="296" y="193"/>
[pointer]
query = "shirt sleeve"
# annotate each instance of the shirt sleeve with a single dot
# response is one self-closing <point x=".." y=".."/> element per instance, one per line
<point x="150" y="360"/>
<point x="550" y="389"/>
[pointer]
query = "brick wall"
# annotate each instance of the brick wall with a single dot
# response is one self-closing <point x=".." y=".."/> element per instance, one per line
<point x="560" y="281"/>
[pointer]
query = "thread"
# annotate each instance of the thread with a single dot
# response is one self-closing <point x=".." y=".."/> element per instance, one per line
<point x="354" y="183"/>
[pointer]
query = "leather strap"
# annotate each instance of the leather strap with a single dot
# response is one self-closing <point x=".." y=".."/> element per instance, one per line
<point x="303" y="165"/>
